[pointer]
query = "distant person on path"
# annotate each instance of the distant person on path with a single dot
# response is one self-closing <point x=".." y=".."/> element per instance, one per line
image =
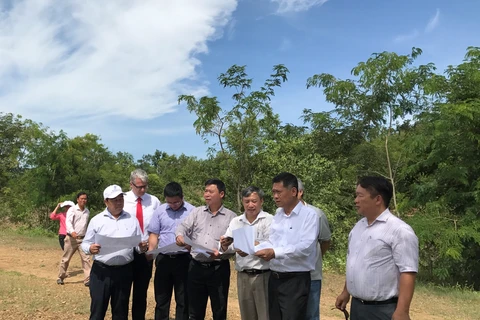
<point x="171" y="268"/>
<point x="112" y="272"/>
<point x="253" y="272"/>
<point x="76" y="222"/>
<point x="382" y="258"/>
<point x="140" y="204"/>
<point x="292" y="255"/>
<point x="323" y="243"/>
<point x="61" y="217"/>
<point x="208" y="274"/>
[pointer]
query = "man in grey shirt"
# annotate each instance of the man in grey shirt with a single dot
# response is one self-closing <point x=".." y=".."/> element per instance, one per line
<point x="209" y="273"/>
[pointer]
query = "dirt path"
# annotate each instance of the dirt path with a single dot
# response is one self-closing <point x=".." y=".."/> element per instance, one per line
<point x="29" y="289"/>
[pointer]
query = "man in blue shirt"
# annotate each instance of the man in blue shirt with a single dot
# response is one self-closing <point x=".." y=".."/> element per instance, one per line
<point x="172" y="266"/>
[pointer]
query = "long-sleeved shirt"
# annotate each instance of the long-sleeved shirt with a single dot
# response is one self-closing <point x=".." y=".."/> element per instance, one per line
<point x="77" y="220"/>
<point x="204" y="228"/>
<point x="165" y="221"/>
<point x="294" y="238"/>
<point x="262" y="232"/>
<point x="149" y="204"/>
<point x="60" y="217"/>
<point x="377" y="254"/>
<point x="105" y="224"/>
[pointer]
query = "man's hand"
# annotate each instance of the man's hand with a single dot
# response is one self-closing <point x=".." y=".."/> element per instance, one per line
<point x="399" y="315"/>
<point x="225" y="242"/>
<point x="74" y="235"/>
<point x="241" y="253"/>
<point x="265" y="254"/>
<point x="215" y="254"/>
<point x="143" y="246"/>
<point x="149" y="256"/>
<point x="95" y="248"/>
<point x="342" y="300"/>
<point x="180" y="241"/>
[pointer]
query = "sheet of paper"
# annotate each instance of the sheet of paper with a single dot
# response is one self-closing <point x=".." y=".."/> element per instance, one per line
<point x="244" y="239"/>
<point x="198" y="247"/>
<point x="166" y="249"/>
<point x="263" y="245"/>
<point x="119" y="243"/>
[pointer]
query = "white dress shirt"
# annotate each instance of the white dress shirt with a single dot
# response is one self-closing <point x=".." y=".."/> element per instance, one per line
<point x="262" y="232"/>
<point x="377" y="254"/>
<point x="294" y="238"/>
<point x="106" y="225"/>
<point x="77" y="220"/>
<point x="149" y="204"/>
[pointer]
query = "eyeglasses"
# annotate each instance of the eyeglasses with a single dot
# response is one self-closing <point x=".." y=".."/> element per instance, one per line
<point x="139" y="187"/>
<point x="345" y="313"/>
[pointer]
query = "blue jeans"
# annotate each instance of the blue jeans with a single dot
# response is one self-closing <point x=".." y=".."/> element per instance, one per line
<point x="313" y="305"/>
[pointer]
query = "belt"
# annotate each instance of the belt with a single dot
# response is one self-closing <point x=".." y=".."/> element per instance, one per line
<point x="252" y="272"/>
<point x="388" y="301"/>
<point x="283" y="275"/>
<point x="208" y="264"/>
<point x="176" y="255"/>
<point x="78" y="237"/>
<point x="103" y="265"/>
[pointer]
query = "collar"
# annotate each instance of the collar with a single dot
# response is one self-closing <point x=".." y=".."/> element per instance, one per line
<point x="78" y="208"/>
<point x="219" y="210"/>
<point x="295" y="210"/>
<point x="261" y="215"/>
<point x="107" y="213"/>
<point x="133" y="196"/>
<point x="179" y="209"/>
<point x="383" y="217"/>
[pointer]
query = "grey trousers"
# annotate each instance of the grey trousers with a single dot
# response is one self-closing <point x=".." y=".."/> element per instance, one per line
<point x="253" y="295"/>
<point x="359" y="311"/>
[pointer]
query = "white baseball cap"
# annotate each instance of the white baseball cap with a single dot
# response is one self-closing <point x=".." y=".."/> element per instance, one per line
<point x="112" y="192"/>
<point x="67" y="203"/>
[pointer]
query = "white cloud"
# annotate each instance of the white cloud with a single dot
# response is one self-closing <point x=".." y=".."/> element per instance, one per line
<point x="433" y="22"/>
<point x="286" y="6"/>
<point x="406" y="37"/>
<point x="64" y="59"/>
<point x="171" y="131"/>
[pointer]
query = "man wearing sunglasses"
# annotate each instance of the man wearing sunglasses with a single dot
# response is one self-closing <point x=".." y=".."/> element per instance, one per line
<point x="140" y="204"/>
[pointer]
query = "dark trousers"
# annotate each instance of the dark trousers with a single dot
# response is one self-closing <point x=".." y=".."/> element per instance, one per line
<point x="61" y="240"/>
<point x="142" y="273"/>
<point x="171" y="273"/>
<point x="110" y="283"/>
<point x="288" y="295"/>
<point x="359" y="311"/>
<point x="208" y="281"/>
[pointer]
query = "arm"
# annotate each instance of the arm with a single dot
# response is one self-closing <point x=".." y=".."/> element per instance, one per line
<point x="342" y="299"/>
<point x="54" y="215"/>
<point x="185" y="228"/>
<point x="406" y="287"/>
<point x="324" y="245"/>
<point x="324" y="233"/>
<point x="88" y="244"/>
<point x="69" y="222"/>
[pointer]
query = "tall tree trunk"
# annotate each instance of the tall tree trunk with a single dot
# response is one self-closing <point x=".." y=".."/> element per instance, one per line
<point x="390" y="172"/>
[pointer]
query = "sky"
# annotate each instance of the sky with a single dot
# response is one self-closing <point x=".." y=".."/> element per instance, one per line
<point x="116" y="68"/>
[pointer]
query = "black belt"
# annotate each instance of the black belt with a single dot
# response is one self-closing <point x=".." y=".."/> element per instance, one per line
<point x="78" y="237"/>
<point x="176" y="255"/>
<point x="252" y="272"/>
<point x="208" y="264"/>
<point x="388" y="301"/>
<point x="103" y="265"/>
<point x="283" y="275"/>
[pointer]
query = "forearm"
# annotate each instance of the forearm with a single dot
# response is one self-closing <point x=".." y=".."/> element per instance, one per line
<point x="324" y="245"/>
<point x="152" y="241"/>
<point x="405" y="291"/>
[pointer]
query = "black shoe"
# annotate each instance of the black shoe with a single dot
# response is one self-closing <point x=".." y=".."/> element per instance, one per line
<point x="60" y="281"/>
<point x="87" y="284"/>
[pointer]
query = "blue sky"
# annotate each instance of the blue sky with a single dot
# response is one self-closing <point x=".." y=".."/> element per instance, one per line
<point x="116" y="70"/>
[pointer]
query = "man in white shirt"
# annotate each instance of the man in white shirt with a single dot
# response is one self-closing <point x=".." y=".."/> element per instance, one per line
<point x="76" y="222"/>
<point x="292" y="254"/>
<point x="253" y="272"/>
<point x="382" y="258"/>
<point x="112" y="270"/>
<point x="323" y="243"/>
<point x="140" y="204"/>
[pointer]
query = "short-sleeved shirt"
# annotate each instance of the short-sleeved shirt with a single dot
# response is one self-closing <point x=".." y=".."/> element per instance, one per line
<point x="324" y="234"/>
<point x="377" y="254"/>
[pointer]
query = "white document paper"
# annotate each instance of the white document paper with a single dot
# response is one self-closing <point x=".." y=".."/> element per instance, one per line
<point x="118" y="243"/>
<point x="263" y="245"/>
<point x="244" y="239"/>
<point x="198" y="247"/>
<point x="166" y="249"/>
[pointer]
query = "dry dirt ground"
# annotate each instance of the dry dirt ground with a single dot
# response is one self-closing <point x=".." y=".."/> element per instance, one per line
<point x="28" y="289"/>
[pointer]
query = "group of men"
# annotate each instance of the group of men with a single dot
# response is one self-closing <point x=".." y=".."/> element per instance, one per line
<point x="280" y="279"/>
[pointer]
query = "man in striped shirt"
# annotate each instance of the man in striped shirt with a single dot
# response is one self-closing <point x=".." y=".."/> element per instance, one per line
<point x="382" y="258"/>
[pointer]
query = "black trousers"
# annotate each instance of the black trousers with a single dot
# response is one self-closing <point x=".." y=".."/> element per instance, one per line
<point x="61" y="240"/>
<point x="288" y="295"/>
<point x="142" y="273"/>
<point x="359" y="311"/>
<point x="110" y="283"/>
<point x="171" y="273"/>
<point x="208" y="281"/>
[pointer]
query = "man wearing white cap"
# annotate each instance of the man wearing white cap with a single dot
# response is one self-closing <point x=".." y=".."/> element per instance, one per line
<point x="112" y="271"/>
<point x="76" y="224"/>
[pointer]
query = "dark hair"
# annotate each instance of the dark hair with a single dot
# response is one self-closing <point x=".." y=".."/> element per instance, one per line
<point x="287" y="179"/>
<point x="173" y="189"/>
<point x="249" y="190"/>
<point x="219" y="183"/>
<point x="377" y="186"/>
<point x="81" y="194"/>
